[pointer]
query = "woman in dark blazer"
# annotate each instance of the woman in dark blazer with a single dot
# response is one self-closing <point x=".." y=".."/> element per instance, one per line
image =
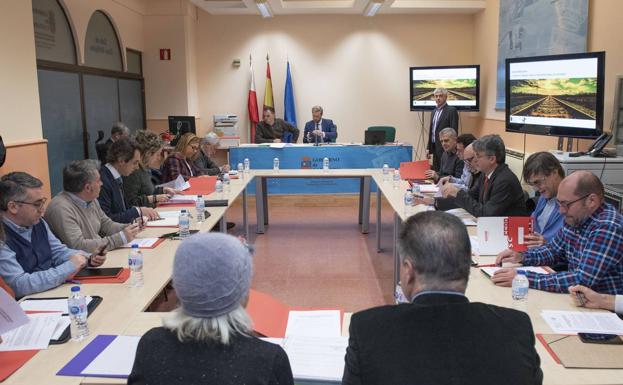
<point x="209" y="339"/>
<point x="182" y="160"/>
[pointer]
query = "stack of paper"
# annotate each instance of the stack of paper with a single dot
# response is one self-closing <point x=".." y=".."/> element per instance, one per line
<point x="178" y="184"/>
<point x="572" y="322"/>
<point x="467" y="218"/>
<point x="169" y="219"/>
<point x="36" y="334"/>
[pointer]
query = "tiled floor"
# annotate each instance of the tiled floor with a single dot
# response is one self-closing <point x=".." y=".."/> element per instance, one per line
<point x="317" y="257"/>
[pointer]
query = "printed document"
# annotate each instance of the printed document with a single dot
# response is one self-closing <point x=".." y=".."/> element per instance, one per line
<point x="35" y="335"/>
<point x="11" y="315"/>
<point x="314" y="323"/>
<point x="571" y="322"/>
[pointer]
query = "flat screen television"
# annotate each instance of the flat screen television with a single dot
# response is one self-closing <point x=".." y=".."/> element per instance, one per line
<point x="557" y="95"/>
<point x="462" y="83"/>
<point x="184" y="124"/>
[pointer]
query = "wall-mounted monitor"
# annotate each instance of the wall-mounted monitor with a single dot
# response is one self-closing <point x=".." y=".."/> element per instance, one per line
<point x="558" y="95"/>
<point x="462" y="83"/>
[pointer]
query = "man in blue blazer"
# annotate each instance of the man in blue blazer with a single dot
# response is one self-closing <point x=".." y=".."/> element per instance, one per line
<point x="319" y="130"/>
<point x="123" y="159"/>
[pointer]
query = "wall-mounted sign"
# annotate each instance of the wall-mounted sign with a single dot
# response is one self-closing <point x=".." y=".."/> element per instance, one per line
<point x="165" y="53"/>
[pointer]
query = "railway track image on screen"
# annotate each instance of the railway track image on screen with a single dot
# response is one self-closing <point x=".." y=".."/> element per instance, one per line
<point x="554" y="98"/>
<point x="458" y="89"/>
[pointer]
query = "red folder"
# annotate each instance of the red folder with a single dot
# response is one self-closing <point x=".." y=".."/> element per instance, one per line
<point x="11" y="361"/>
<point x="201" y="185"/>
<point x="512" y="226"/>
<point x="270" y="316"/>
<point x="414" y="170"/>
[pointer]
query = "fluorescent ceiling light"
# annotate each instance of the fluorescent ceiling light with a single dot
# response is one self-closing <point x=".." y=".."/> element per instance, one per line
<point x="264" y="9"/>
<point x="372" y="8"/>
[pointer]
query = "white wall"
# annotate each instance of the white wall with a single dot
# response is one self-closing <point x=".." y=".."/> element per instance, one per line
<point x="357" y="68"/>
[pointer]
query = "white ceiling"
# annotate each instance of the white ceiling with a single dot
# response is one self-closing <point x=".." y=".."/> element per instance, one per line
<point x="353" y="7"/>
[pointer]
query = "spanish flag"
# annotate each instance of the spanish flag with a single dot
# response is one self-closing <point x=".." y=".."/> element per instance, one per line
<point x="268" y="92"/>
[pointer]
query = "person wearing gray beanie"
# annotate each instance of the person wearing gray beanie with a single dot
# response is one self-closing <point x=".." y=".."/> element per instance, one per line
<point x="208" y="339"/>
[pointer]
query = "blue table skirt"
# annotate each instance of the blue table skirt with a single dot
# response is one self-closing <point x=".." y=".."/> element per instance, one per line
<point x="358" y="156"/>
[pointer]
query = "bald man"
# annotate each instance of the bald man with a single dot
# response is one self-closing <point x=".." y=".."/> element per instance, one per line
<point x="591" y="242"/>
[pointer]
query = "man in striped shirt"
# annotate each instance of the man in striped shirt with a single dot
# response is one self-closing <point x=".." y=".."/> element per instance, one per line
<point x="591" y="242"/>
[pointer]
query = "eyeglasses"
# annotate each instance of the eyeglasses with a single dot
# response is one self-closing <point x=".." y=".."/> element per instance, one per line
<point x="567" y="205"/>
<point x="536" y="182"/>
<point x="468" y="160"/>
<point x="37" y="204"/>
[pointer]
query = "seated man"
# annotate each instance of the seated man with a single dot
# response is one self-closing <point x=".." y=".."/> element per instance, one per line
<point x="32" y="259"/>
<point x="496" y="192"/>
<point x="450" y="164"/>
<point x="118" y="131"/>
<point x="123" y="158"/>
<point x="75" y="215"/>
<point x="207" y="149"/>
<point x="544" y="173"/>
<point x="274" y="130"/>
<point x="319" y="129"/>
<point x="585" y="297"/>
<point x="462" y="143"/>
<point x="591" y="242"/>
<point x="439" y="338"/>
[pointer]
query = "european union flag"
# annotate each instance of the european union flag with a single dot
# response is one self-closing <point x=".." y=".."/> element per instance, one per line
<point x="290" y="111"/>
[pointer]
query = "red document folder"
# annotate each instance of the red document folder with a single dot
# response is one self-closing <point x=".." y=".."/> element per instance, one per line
<point x="414" y="170"/>
<point x="11" y="361"/>
<point x="201" y="185"/>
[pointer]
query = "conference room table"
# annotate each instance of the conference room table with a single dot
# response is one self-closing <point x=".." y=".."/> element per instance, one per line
<point x="122" y="311"/>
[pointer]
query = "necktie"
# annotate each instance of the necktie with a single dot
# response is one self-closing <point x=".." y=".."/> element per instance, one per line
<point x="435" y="122"/>
<point x="120" y="184"/>
<point x="485" y="187"/>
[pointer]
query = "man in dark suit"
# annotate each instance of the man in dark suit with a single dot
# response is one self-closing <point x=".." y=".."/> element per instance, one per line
<point x="496" y="192"/>
<point x="123" y="159"/>
<point x="118" y="131"/>
<point x="319" y="129"/>
<point x="442" y="116"/>
<point x="440" y="337"/>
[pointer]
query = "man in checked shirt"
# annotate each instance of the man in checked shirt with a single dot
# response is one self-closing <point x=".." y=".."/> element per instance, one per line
<point x="590" y="241"/>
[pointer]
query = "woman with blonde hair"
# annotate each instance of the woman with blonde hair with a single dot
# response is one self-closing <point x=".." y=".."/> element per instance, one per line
<point x="182" y="160"/>
<point x="139" y="187"/>
<point x="209" y="339"/>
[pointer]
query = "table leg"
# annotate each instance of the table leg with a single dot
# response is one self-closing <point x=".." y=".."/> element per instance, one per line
<point x="378" y="219"/>
<point x="223" y="224"/>
<point x="259" y="205"/>
<point x="360" y="200"/>
<point x="245" y="214"/>
<point x="365" y="210"/>
<point x="265" y="197"/>
<point x="397" y="224"/>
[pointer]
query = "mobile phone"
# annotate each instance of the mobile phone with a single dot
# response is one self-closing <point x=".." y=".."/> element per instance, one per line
<point x="608" y="339"/>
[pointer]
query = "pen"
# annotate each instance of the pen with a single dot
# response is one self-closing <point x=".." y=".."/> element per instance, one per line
<point x="489" y="265"/>
<point x="75" y="282"/>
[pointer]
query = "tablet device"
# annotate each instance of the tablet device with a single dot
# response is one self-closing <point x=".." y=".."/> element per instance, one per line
<point x="105" y="272"/>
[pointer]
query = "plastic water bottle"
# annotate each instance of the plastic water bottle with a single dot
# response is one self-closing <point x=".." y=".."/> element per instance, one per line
<point x="520" y="287"/>
<point x="385" y="172"/>
<point x="135" y="261"/>
<point x="396" y="178"/>
<point x="184" y="226"/>
<point x="226" y="182"/>
<point x="200" y="206"/>
<point x="325" y="165"/>
<point x="77" y="309"/>
<point x="247" y="165"/>
<point x="240" y="170"/>
<point x="218" y="189"/>
<point x="276" y="165"/>
<point x="415" y="189"/>
<point x="408" y="201"/>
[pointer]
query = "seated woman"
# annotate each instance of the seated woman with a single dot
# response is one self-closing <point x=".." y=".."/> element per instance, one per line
<point x="182" y="160"/>
<point x="139" y="187"/>
<point x="204" y="160"/>
<point x="208" y="339"/>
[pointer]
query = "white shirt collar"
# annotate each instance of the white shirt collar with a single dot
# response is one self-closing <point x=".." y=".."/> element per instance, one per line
<point x="113" y="170"/>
